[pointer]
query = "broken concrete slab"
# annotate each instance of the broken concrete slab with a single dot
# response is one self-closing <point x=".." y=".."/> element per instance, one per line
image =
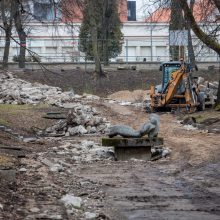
<point x="70" y="201"/>
<point x="90" y="215"/>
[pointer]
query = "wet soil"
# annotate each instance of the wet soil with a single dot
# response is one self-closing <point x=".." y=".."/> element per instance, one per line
<point x="184" y="185"/>
<point x="82" y="81"/>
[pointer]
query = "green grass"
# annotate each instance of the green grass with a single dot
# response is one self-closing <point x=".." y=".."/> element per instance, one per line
<point x="3" y="122"/>
<point x="217" y="108"/>
<point x="8" y="108"/>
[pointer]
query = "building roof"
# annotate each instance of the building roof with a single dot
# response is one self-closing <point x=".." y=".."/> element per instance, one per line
<point x="203" y="10"/>
<point x="72" y="11"/>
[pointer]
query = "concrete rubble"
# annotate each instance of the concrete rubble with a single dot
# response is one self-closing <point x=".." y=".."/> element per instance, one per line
<point x="71" y="201"/>
<point x="18" y="91"/>
<point x="83" y="151"/>
<point x="210" y="89"/>
<point x="81" y="120"/>
<point x="159" y="152"/>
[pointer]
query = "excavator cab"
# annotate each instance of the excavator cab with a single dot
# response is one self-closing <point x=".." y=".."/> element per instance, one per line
<point x="168" y="68"/>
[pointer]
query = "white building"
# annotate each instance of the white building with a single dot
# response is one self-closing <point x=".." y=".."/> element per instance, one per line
<point x="58" y="42"/>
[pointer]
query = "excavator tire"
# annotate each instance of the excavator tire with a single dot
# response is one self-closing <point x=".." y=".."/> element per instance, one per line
<point x="201" y="100"/>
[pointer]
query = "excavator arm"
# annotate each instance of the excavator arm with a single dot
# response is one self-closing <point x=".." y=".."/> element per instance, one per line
<point x="178" y="93"/>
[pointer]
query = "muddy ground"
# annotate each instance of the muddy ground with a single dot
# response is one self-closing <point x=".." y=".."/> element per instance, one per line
<point x="82" y="81"/>
<point x="184" y="185"/>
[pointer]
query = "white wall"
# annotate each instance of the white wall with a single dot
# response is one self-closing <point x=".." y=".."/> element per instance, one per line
<point x="60" y="43"/>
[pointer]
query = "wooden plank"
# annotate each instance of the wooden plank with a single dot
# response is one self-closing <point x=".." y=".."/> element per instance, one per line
<point x="16" y="153"/>
<point x="11" y="147"/>
<point x="54" y="116"/>
<point x="132" y="142"/>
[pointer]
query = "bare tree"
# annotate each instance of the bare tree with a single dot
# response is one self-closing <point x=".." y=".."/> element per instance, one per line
<point x="18" y="8"/>
<point x="191" y="53"/>
<point x="206" y="38"/>
<point x="7" y="13"/>
<point x="176" y="23"/>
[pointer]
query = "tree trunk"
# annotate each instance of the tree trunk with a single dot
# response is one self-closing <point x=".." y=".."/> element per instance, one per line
<point x="22" y="38"/>
<point x="218" y="95"/>
<point x="21" y="34"/>
<point x="6" y="48"/>
<point x="176" y="23"/>
<point x="191" y="53"/>
<point x="94" y="38"/>
<point x="7" y="23"/>
<point x="105" y="26"/>
<point x="98" y="67"/>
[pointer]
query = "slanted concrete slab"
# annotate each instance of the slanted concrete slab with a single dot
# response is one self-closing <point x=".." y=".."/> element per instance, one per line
<point x="137" y="148"/>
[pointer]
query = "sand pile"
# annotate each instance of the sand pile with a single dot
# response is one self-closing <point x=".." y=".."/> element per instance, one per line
<point x="130" y="96"/>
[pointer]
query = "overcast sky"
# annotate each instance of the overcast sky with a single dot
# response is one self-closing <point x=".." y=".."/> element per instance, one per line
<point x="142" y="9"/>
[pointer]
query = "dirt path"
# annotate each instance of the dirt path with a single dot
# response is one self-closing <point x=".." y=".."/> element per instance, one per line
<point x="183" y="186"/>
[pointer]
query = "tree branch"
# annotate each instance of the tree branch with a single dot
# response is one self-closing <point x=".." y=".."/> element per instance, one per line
<point x="205" y="38"/>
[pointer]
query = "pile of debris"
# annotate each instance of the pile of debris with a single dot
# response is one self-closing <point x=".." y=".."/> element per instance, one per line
<point x="18" y="91"/>
<point x="85" y="150"/>
<point x="210" y="90"/>
<point x="81" y="120"/>
<point x="135" y="98"/>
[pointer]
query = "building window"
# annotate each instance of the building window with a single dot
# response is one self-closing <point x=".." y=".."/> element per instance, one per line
<point x="131" y="10"/>
<point x="46" y="10"/>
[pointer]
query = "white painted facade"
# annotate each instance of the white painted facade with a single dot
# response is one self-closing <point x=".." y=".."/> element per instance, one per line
<point x="142" y="42"/>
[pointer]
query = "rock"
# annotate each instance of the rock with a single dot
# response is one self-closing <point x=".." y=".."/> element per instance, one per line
<point x="122" y="68"/>
<point x="2" y="128"/>
<point x="30" y="140"/>
<point x="87" y="144"/>
<point x="70" y="201"/>
<point x="1" y="206"/>
<point x="159" y="152"/>
<point x="47" y="216"/>
<point x="22" y="169"/>
<point x="90" y="215"/>
<point x="35" y="210"/>
<point x="56" y="168"/>
<point x="200" y="80"/>
<point x="67" y="134"/>
<point x="69" y="105"/>
<point x="213" y="85"/>
<point x="189" y="121"/>
<point x="77" y="130"/>
<point x="189" y="127"/>
<point x="166" y="152"/>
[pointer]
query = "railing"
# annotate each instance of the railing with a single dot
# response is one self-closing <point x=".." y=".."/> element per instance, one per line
<point x="133" y="50"/>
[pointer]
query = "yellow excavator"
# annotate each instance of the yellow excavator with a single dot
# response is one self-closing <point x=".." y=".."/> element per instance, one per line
<point x="178" y="90"/>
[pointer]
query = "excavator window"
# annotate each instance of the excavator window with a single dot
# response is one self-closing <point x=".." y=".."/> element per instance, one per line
<point x="168" y="69"/>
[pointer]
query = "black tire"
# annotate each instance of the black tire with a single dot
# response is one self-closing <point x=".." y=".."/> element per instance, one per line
<point x="201" y="99"/>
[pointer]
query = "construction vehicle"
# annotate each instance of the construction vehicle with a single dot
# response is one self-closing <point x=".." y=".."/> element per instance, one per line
<point x="178" y="90"/>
